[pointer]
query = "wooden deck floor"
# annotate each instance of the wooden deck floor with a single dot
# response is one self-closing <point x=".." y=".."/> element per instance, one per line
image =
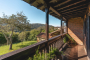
<point x="75" y="53"/>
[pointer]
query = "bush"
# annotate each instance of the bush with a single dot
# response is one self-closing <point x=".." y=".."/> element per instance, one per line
<point x="15" y="38"/>
<point x="33" y="34"/>
<point x="2" y="39"/>
<point x="50" y="55"/>
<point x="27" y="34"/>
<point x="68" y="38"/>
<point x="23" y="36"/>
<point x="41" y="56"/>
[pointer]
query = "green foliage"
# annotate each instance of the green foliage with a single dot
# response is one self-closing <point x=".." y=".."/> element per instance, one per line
<point x="48" y="56"/>
<point x="27" y="33"/>
<point x="33" y="34"/>
<point x="56" y="52"/>
<point x="65" y="40"/>
<point x="51" y="29"/>
<point x="15" y="38"/>
<point x="2" y="39"/>
<point x="22" y="36"/>
<point x="41" y="56"/>
<point x="68" y="38"/>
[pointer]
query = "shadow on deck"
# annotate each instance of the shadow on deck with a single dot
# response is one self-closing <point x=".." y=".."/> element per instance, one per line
<point x="74" y="53"/>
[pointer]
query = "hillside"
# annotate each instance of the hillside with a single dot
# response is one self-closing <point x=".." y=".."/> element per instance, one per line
<point x="37" y="25"/>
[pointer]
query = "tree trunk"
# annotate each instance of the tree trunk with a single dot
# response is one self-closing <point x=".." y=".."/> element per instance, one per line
<point x="10" y="48"/>
<point x="7" y="42"/>
<point x="11" y="40"/>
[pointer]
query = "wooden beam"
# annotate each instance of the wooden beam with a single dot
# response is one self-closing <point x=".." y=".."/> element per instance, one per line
<point x="71" y="4"/>
<point x="40" y="5"/>
<point x="32" y="1"/>
<point x="54" y="11"/>
<point x="70" y="16"/>
<point x="75" y="15"/>
<point x="74" y="12"/>
<point x="62" y="3"/>
<point x="73" y="8"/>
<point x="50" y="12"/>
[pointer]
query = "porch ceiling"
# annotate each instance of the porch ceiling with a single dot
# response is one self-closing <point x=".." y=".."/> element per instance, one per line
<point x="62" y="8"/>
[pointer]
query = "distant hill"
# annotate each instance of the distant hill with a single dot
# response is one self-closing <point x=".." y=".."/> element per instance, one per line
<point x="37" y="25"/>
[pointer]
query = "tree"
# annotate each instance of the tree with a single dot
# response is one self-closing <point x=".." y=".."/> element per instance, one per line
<point x="33" y="34"/>
<point x="22" y="36"/>
<point x="9" y="23"/>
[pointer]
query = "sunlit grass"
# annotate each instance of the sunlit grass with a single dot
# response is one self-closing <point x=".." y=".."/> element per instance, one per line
<point x="5" y="49"/>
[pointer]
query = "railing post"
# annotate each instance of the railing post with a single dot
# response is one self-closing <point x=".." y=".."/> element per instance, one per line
<point x="47" y="22"/>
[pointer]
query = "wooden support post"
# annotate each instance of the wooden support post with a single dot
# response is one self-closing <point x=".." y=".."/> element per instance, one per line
<point x="88" y="31"/>
<point x="67" y="26"/>
<point x="61" y="27"/>
<point x="47" y="23"/>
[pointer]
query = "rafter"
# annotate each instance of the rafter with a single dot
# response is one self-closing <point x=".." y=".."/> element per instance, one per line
<point x="72" y="4"/>
<point x="62" y="3"/>
<point x="40" y="5"/>
<point x="79" y="12"/>
<point x="50" y="12"/>
<point x="54" y="11"/>
<point x="73" y="8"/>
<point x="74" y="15"/>
<point x="32" y="1"/>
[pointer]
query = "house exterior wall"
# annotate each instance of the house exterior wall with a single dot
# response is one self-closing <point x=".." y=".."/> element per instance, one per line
<point x="75" y="29"/>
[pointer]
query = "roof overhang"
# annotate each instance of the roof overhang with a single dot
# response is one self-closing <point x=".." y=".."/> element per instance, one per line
<point x="65" y="9"/>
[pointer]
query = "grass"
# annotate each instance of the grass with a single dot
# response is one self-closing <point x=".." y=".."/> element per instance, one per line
<point x="5" y="49"/>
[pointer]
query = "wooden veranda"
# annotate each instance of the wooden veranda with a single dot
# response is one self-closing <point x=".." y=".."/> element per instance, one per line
<point x="63" y="10"/>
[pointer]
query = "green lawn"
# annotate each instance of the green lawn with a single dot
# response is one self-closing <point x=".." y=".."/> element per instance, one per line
<point x="5" y="49"/>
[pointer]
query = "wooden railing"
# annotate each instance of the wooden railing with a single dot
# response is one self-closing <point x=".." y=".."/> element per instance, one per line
<point x="29" y="51"/>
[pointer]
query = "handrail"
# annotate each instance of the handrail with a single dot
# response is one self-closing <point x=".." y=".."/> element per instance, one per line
<point x="29" y="50"/>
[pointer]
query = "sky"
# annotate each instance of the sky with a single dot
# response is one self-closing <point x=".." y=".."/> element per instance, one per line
<point x="33" y="14"/>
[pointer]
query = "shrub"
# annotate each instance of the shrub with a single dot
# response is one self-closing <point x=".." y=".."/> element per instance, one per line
<point x="68" y="38"/>
<point x="2" y="39"/>
<point x="15" y="38"/>
<point x="27" y="34"/>
<point x="33" y="34"/>
<point x="50" y="55"/>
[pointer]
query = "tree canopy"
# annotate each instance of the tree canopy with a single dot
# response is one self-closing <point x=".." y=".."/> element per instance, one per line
<point x="8" y="24"/>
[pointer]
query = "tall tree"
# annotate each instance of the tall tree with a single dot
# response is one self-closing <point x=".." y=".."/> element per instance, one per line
<point x="9" y="23"/>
